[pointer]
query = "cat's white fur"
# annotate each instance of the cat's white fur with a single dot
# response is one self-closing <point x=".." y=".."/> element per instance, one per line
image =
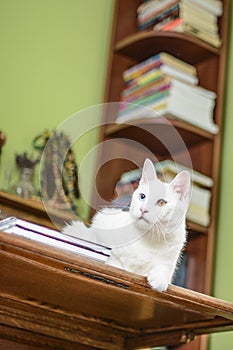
<point x="149" y="238"/>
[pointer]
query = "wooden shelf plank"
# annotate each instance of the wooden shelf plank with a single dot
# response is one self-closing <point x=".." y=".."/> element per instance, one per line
<point x="170" y="134"/>
<point x="142" y="45"/>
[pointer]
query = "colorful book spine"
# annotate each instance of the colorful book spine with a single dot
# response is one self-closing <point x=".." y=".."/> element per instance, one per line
<point x="145" y="22"/>
<point x="146" y="90"/>
<point x="155" y="62"/>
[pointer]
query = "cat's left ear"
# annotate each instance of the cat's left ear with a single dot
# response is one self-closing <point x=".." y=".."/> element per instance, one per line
<point x="181" y="184"/>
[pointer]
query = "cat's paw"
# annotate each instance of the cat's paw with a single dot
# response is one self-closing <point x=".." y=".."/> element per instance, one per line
<point x="157" y="282"/>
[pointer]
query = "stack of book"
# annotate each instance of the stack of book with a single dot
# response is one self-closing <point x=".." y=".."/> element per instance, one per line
<point x="151" y="13"/>
<point x="200" y="18"/>
<point x="165" y="85"/>
<point x="41" y="234"/>
<point x="199" y="208"/>
<point x="195" y="17"/>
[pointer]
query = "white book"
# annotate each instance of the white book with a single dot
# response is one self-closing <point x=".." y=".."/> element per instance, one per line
<point x="193" y="90"/>
<point x="194" y="10"/>
<point x="41" y="234"/>
<point x="199" y="208"/>
<point x="192" y="104"/>
<point x="189" y="112"/>
<point x="202" y="26"/>
<point x="213" y="6"/>
<point x="172" y="111"/>
<point x="174" y="168"/>
<point x="169" y="166"/>
<point x="179" y="74"/>
<point x="213" y="40"/>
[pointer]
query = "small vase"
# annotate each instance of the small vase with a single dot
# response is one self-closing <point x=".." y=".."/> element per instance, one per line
<point x="25" y="187"/>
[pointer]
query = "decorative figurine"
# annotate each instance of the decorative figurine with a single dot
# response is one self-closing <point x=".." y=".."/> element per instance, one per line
<point x="59" y="176"/>
<point x="25" y="187"/>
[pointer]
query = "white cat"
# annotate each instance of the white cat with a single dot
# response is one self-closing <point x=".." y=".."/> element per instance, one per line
<point x="149" y="238"/>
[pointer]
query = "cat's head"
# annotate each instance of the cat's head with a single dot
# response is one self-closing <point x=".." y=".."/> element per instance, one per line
<point x="159" y="204"/>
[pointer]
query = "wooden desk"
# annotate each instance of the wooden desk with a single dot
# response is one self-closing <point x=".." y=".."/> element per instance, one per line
<point x="57" y="300"/>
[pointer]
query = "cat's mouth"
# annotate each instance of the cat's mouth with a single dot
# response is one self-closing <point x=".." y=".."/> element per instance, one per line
<point x="144" y="219"/>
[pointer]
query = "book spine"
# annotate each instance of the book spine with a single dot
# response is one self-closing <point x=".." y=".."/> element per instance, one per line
<point x="157" y="61"/>
<point x="179" y="74"/>
<point x="145" y="101"/>
<point x="142" y="25"/>
<point x="214" y="41"/>
<point x="140" y="87"/>
<point x="214" y="7"/>
<point x="148" y="62"/>
<point x="146" y="91"/>
<point x="171" y="25"/>
<point x="192" y="11"/>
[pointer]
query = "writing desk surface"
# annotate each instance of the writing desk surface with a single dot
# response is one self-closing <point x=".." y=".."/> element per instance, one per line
<point x="48" y="296"/>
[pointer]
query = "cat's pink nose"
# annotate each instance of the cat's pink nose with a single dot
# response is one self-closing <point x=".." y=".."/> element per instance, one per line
<point x="143" y="210"/>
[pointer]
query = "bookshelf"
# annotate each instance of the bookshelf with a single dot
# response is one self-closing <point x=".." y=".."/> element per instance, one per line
<point x="129" y="47"/>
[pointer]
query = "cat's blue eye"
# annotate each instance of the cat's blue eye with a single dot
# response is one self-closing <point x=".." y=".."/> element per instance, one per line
<point x="142" y="196"/>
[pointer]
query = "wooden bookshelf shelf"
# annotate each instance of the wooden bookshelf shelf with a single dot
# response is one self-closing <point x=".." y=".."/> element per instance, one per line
<point x="142" y="45"/>
<point x="193" y="227"/>
<point x="174" y="132"/>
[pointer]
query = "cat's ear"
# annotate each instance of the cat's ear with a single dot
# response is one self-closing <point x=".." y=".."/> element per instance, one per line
<point x="181" y="184"/>
<point x="148" y="171"/>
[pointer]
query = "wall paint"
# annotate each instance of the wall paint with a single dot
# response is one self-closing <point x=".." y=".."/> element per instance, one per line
<point x="223" y="279"/>
<point x="53" y="60"/>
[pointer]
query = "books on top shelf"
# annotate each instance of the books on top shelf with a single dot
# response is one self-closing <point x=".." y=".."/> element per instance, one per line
<point x="151" y="12"/>
<point x="194" y="17"/>
<point x="41" y="234"/>
<point x="199" y="208"/>
<point x="166" y="86"/>
<point x="171" y="24"/>
<point x="200" y="18"/>
<point x="214" y="7"/>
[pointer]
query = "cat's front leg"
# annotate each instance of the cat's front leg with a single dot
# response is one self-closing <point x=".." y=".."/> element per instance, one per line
<point x="114" y="260"/>
<point x="159" y="278"/>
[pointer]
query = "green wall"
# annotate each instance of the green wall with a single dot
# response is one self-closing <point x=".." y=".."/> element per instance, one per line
<point x="53" y="60"/>
<point x="223" y="281"/>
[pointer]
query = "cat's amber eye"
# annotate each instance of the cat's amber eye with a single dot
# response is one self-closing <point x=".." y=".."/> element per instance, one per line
<point x="141" y="196"/>
<point x="161" y="202"/>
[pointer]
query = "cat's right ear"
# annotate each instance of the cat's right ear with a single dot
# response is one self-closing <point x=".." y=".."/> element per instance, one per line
<point x="148" y="172"/>
<point x="181" y="184"/>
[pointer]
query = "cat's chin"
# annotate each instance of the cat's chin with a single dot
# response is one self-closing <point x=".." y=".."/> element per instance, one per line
<point x="143" y="225"/>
